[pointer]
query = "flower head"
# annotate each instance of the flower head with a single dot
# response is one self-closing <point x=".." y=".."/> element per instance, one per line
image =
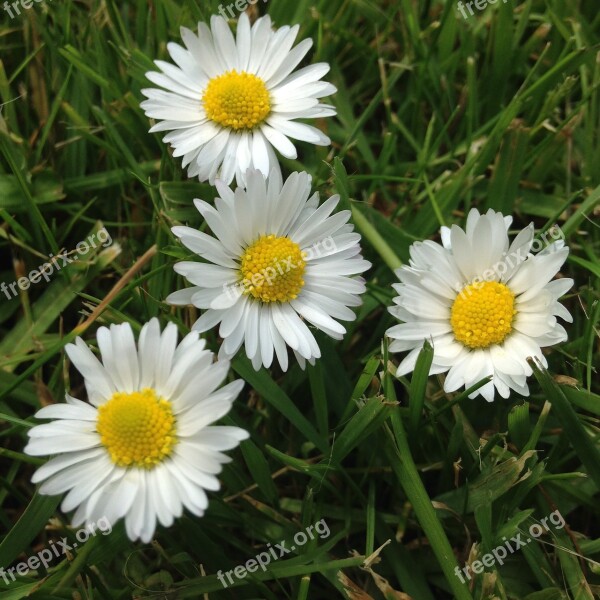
<point x="230" y="101"/>
<point x="144" y="447"/>
<point x="278" y="259"/>
<point x="485" y="304"/>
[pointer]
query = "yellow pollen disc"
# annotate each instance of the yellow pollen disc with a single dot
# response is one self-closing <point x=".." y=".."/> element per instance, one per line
<point x="237" y="100"/>
<point x="137" y="429"/>
<point x="482" y="314"/>
<point x="272" y="269"/>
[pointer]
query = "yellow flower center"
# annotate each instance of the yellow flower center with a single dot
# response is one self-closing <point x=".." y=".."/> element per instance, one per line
<point x="482" y="314"/>
<point x="272" y="269"/>
<point x="237" y="100"/>
<point x="137" y="429"/>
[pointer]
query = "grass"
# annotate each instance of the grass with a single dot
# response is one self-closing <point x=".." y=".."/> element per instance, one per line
<point x="436" y="114"/>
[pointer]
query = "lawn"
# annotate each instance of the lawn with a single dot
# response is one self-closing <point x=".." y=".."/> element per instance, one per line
<point x="354" y="480"/>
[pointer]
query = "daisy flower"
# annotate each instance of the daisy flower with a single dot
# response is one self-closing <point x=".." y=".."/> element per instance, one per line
<point x="485" y="305"/>
<point x="144" y="447"/>
<point x="278" y="259"/>
<point x="230" y="101"/>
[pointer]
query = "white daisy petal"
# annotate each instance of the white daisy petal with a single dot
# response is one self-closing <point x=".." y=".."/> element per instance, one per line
<point x="201" y="46"/>
<point x="260" y="152"/>
<point x="294" y="260"/>
<point x="220" y="139"/>
<point x="243" y="41"/>
<point x="182" y="297"/>
<point x="261" y="36"/>
<point x="169" y="497"/>
<point x="287" y="63"/>
<point x="150" y="448"/>
<point x="171" y="80"/>
<point x="126" y="356"/>
<point x="298" y="131"/>
<point x="88" y="474"/>
<point x="536" y="272"/>
<point x="44" y="446"/>
<point x="264" y="335"/>
<point x="280" y="142"/>
<point x="317" y="317"/>
<point x="64" y="461"/>
<point x="83" y="412"/>
<point x="83" y="482"/>
<point x="485" y="304"/>
<point x="97" y="379"/>
<point x="208" y="320"/>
